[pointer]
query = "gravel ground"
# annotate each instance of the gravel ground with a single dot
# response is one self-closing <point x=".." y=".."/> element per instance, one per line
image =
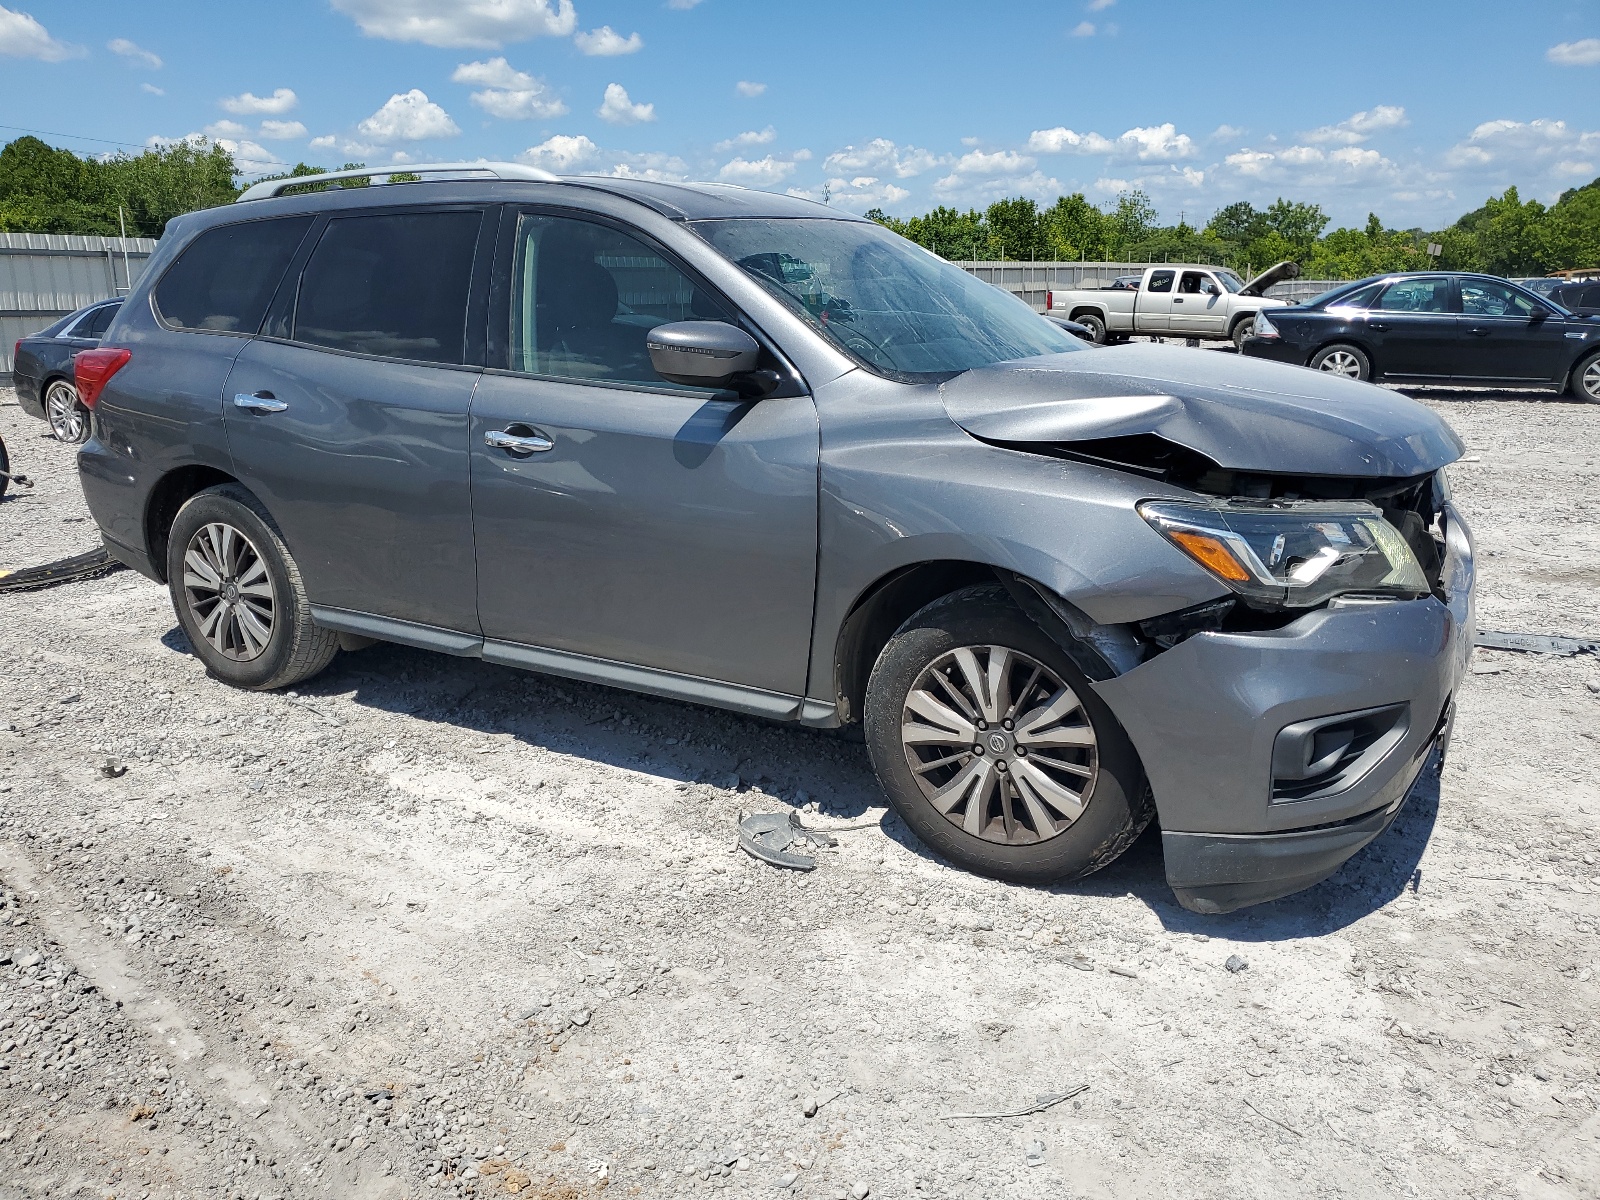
<point x="432" y="927"/>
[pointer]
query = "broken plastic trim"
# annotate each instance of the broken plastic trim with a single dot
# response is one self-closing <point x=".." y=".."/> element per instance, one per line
<point x="768" y="836"/>
<point x="1536" y="643"/>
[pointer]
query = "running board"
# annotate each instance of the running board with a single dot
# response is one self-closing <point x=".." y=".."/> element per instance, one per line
<point x="692" y="688"/>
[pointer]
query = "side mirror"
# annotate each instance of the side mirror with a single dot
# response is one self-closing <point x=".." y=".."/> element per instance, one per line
<point x="701" y="353"/>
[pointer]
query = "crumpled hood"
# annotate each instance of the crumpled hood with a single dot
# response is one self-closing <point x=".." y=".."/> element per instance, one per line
<point x="1242" y="413"/>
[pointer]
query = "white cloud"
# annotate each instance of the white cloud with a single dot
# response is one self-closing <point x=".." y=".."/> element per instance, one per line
<point x="479" y="23"/>
<point x="882" y="155"/>
<point x="1525" y="145"/>
<point x="1224" y="132"/>
<point x="749" y="89"/>
<point x="1360" y="126"/>
<point x="856" y="195"/>
<point x="226" y="129"/>
<point x="1100" y="5"/>
<point x="655" y="165"/>
<point x="326" y="142"/>
<point x="750" y="137"/>
<point x="280" y="130"/>
<point x="560" y="153"/>
<point x="246" y="104"/>
<point x="802" y="155"/>
<point x="408" y="116"/>
<point x="152" y="89"/>
<point x="606" y="42"/>
<point x="1083" y="29"/>
<point x="1152" y="143"/>
<point x="249" y="157"/>
<point x="761" y="172"/>
<point x="508" y="93"/>
<point x="23" y="37"/>
<point x="1250" y="162"/>
<point x="682" y="5"/>
<point x="620" y="110"/>
<point x="134" y="53"/>
<point x="1584" y="53"/>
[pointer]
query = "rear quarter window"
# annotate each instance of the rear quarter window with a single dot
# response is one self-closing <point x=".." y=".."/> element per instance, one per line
<point x="224" y="279"/>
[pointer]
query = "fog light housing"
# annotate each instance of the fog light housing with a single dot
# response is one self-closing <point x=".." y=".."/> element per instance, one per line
<point x="1325" y="755"/>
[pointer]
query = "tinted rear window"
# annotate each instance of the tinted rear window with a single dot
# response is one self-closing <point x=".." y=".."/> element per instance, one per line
<point x="225" y="279"/>
<point x="393" y="284"/>
<point x="97" y="323"/>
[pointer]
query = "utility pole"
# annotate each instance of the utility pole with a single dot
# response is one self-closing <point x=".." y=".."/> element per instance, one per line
<point x="127" y="277"/>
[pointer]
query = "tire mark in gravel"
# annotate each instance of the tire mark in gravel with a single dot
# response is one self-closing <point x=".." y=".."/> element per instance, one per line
<point x="292" y="1132"/>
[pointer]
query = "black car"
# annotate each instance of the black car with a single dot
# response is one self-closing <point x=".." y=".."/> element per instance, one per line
<point x="1582" y="298"/>
<point x="42" y="369"/>
<point x="1439" y="328"/>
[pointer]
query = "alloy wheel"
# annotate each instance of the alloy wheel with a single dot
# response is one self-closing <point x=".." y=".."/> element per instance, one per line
<point x="999" y="744"/>
<point x="1590" y="382"/>
<point x="68" y="420"/>
<point x="1342" y="362"/>
<point x="229" y="591"/>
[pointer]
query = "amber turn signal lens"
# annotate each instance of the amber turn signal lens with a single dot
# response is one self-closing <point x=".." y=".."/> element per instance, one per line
<point x="1209" y="552"/>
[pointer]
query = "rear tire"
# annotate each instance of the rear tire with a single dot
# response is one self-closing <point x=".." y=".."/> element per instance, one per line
<point x="1584" y="383"/>
<point x="1065" y="804"/>
<point x="238" y="594"/>
<point x="1095" y="326"/>
<point x="69" y="419"/>
<point x="1341" y="358"/>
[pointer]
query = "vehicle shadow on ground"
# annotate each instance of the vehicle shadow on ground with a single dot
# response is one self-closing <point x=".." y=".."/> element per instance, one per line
<point x="780" y="764"/>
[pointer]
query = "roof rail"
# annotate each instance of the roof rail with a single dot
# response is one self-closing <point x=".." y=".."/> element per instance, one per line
<point x="269" y="188"/>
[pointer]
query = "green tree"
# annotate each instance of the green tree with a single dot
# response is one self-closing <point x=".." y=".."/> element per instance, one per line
<point x="46" y="190"/>
<point x="1075" y="230"/>
<point x="1014" y="230"/>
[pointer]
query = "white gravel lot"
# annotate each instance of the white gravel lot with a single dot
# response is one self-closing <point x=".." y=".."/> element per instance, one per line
<point x="433" y="927"/>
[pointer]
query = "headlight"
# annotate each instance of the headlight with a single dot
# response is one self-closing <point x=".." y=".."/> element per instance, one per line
<point x="1293" y="553"/>
<point x="1263" y="328"/>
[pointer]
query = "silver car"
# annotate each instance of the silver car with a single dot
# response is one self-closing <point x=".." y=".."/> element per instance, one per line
<point x="743" y="450"/>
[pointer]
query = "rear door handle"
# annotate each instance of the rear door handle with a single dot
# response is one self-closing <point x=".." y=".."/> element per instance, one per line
<point x="259" y="402"/>
<point x="518" y="439"/>
<point x="1177" y="299"/>
<point x="1381" y="328"/>
<point x="1478" y="332"/>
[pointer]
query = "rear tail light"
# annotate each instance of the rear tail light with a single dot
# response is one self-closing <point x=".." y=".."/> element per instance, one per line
<point x="93" y="369"/>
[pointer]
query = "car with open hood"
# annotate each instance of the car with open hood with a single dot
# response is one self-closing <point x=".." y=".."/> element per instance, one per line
<point x="742" y="450"/>
<point x="1172" y="300"/>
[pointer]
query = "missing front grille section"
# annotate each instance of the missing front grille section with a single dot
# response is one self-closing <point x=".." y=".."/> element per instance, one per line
<point x="1325" y="755"/>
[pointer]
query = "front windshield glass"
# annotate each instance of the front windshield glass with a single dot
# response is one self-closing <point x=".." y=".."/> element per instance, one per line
<point x="1230" y="281"/>
<point x="893" y="306"/>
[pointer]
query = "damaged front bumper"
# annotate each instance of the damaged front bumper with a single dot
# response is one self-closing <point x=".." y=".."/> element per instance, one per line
<point x="1274" y="756"/>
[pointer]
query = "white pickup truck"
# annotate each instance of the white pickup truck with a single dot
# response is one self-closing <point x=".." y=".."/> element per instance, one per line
<point x="1173" y="300"/>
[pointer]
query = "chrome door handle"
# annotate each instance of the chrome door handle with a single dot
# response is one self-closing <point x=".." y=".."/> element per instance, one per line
<point x="517" y="443"/>
<point x="1379" y="327"/>
<point x="259" y="402"/>
<point x="1478" y="332"/>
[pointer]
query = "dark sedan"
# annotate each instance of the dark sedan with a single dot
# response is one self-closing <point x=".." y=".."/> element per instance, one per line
<point x="1437" y="328"/>
<point x="42" y="369"/>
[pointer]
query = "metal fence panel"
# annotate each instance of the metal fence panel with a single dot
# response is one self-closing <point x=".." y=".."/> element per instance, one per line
<point x="44" y="276"/>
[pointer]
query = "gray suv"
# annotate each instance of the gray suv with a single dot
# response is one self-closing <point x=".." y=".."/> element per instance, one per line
<point x="743" y="450"/>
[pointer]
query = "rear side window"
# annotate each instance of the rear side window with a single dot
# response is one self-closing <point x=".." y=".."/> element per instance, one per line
<point x="98" y="322"/>
<point x="224" y="280"/>
<point x="1161" y="281"/>
<point x="392" y="284"/>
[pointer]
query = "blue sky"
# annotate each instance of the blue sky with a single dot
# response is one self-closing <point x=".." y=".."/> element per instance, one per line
<point x="1416" y="110"/>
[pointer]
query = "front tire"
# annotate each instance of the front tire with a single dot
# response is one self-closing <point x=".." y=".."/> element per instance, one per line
<point x="1095" y="326"/>
<point x="1241" y="330"/>
<point x="1343" y="359"/>
<point x="238" y="594"/>
<point x="1585" y="381"/>
<point x="69" y="419"/>
<point x="994" y="749"/>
